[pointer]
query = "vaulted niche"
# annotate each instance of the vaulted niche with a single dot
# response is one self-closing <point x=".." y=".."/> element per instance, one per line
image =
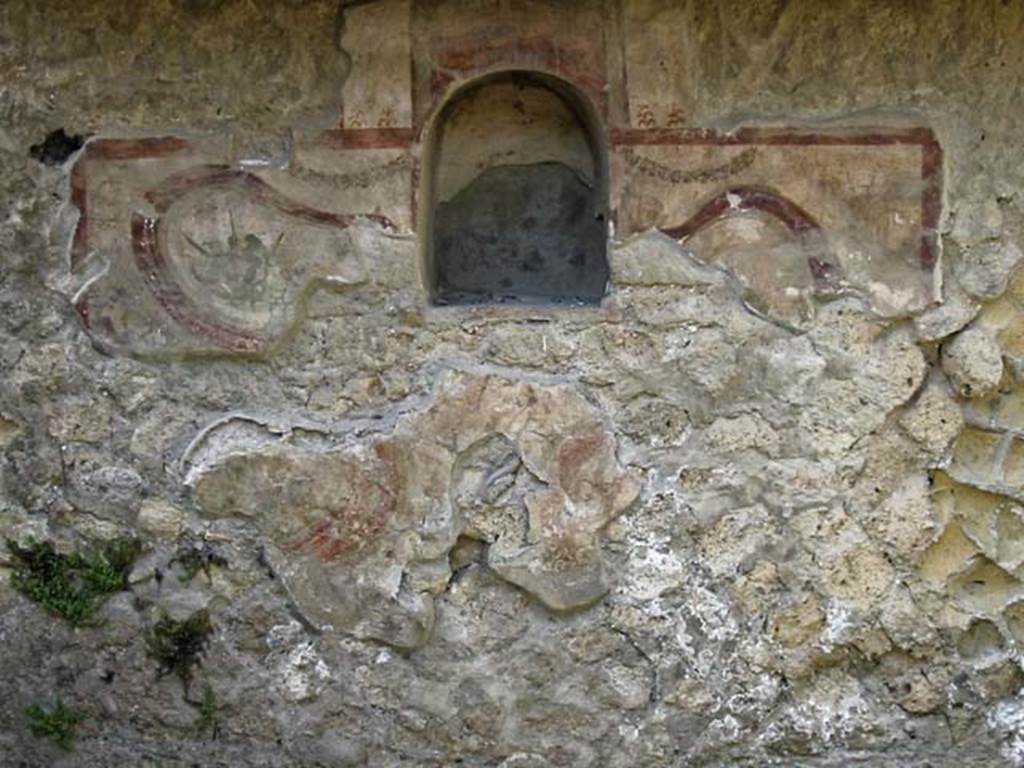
<point x="515" y="196"/>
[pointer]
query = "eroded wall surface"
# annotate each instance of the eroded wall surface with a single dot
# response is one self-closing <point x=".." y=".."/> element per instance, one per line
<point x="763" y="505"/>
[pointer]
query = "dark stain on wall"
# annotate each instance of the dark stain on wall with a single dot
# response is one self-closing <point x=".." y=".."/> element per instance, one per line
<point x="57" y="147"/>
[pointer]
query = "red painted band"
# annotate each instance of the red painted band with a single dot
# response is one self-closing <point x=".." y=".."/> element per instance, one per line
<point x="367" y="138"/>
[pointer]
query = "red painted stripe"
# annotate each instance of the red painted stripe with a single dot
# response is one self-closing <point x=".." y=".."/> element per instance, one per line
<point x="574" y="63"/>
<point x="931" y="202"/>
<point x="79" y="199"/>
<point x="136" y="149"/>
<point x="367" y="138"/>
<point x="767" y="136"/>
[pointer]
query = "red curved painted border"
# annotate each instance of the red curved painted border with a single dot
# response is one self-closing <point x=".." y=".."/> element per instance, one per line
<point x="155" y="272"/>
<point x="741" y="199"/>
<point x="174" y="187"/>
<point x="153" y="265"/>
<point x="104" y="150"/>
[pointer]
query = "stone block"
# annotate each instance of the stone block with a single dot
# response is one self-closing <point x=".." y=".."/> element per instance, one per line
<point x="974" y="362"/>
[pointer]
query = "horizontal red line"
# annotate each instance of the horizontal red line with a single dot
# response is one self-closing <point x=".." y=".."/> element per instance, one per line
<point x="401" y="138"/>
<point x="367" y="138"/>
<point x="772" y="136"/>
<point x="135" y="149"/>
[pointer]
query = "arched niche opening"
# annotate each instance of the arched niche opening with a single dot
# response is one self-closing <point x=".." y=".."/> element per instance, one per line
<point x="515" y="195"/>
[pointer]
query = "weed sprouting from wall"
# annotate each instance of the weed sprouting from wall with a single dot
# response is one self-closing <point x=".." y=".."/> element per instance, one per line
<point x="74" y="585"/>
<point x="58" y="724"/>
<point x="178" y="646"/>
<point x="208" y="719"/>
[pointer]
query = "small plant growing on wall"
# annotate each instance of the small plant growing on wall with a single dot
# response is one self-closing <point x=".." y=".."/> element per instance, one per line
<point x="178" y="646"/>
<point x="208" y="718"/>
<point x="57" y="724"/>
<point x="75" y="585"/>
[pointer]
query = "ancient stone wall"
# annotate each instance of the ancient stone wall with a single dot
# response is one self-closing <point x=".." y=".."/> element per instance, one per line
<point x="719" y="462"/>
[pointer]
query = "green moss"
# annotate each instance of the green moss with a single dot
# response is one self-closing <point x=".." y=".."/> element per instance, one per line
<point x="74" y="585"/>
<point x="178" y="646"/>
<point x="57" y="724"/>
<point x="208" y="719"/>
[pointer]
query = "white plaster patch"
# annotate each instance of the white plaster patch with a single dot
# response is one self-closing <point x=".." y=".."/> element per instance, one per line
<point x="892" y="300"/>
<point x="1007" y="719"/>
<point x="652" y="571"/>
<point x="300" y="672"/>
<point x="839" y="623"/>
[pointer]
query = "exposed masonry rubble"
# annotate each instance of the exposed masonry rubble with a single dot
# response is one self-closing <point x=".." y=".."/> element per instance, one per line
<point x="708" y="522"/>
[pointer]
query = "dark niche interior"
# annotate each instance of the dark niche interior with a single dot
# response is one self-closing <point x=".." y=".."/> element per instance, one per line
<point x="518" y="197"/>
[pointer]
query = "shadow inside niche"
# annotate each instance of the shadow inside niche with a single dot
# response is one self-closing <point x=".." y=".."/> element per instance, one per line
<point x="521" y="233"/>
